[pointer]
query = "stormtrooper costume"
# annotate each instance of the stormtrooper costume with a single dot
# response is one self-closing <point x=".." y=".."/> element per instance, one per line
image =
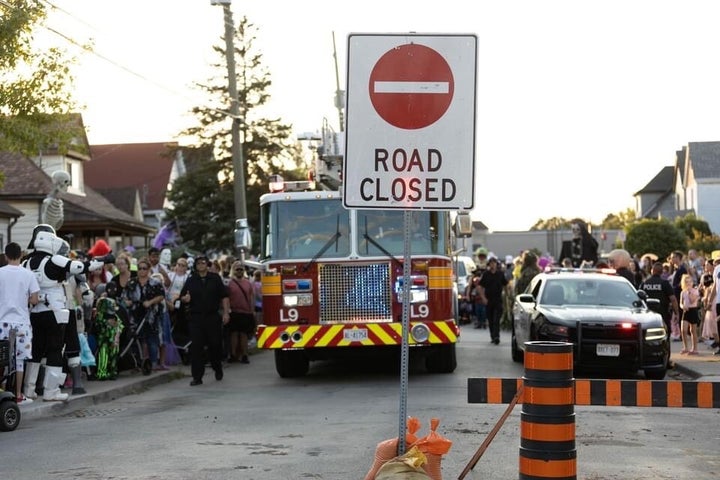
<point x="79" y="297"/>
<point x="48" y="318"/>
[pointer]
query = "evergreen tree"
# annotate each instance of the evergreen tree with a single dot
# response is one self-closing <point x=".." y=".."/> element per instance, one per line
<point x="203" y="201"/>
<point x="35" y="85"/>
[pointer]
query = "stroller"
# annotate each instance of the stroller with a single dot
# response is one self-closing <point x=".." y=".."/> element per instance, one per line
<point x="9" y="410"/>
<point x="465" y="311"/>
<point x="181" y="333"/>
<point x="132" y="353"/>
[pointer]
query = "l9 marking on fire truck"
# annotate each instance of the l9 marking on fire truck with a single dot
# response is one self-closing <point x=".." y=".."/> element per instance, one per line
<point x="419" y="311"/>
<point x="292" y="315"/>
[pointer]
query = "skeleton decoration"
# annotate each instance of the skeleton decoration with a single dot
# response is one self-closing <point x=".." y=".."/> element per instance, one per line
<point x="583" y="248"/>
<point x="52" y="206"/>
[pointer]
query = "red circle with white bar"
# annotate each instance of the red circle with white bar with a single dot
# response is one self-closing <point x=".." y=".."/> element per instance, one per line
<point x="411" y="86"/>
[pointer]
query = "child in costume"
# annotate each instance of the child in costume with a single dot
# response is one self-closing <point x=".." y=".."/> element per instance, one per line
<point x="108" y="327"/>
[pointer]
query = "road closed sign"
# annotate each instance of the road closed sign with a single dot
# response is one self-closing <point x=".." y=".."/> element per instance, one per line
<point x="410" y="132"/>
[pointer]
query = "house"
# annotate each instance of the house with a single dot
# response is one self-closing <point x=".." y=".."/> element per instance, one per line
<point x="9" y="216"/>
<point x="691" y="185"/>
<point x="88" y="215"/>
<point x="136" y="176"/>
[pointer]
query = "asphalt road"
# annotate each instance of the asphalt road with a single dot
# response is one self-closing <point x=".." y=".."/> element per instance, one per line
<point x="256" y="426"/>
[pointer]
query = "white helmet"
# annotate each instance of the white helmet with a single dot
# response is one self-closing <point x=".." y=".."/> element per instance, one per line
<point x="49" y="243"/>
<point x="42" y="227"/>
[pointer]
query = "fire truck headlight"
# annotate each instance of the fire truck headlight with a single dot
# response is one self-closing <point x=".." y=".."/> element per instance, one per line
<point x="420" y="333"/>
<point x="418" y="296"/>
<point x="298" y="300"/>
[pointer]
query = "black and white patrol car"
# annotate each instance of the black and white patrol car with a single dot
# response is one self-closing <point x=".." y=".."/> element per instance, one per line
<point x="606" y="319"/>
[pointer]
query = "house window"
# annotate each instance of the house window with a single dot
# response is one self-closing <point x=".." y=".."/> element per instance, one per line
<point x="74" y="168"/>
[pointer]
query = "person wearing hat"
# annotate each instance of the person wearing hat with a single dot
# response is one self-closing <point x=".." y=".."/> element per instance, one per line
<point x="481" y="255"/>
<point x="205" y="293"/>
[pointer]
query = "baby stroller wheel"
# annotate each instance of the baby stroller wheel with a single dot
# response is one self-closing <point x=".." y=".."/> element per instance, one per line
<point x="9" y="415"/>
<point x="146" y="367"/>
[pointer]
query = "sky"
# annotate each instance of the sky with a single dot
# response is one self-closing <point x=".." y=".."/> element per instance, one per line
<point x="579" y="103"/>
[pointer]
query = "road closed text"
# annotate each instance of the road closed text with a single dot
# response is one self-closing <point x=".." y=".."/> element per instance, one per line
<point x="412" y="184"/>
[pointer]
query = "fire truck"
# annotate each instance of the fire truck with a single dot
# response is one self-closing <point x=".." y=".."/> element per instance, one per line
<point x="333" y="277"/>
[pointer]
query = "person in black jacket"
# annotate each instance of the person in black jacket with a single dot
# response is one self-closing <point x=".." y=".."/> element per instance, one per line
<point x="494" y="282"/>
<point x="206" y="294"/>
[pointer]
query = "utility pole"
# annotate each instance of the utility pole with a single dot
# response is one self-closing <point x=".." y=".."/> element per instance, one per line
<point x="243" y="240"/>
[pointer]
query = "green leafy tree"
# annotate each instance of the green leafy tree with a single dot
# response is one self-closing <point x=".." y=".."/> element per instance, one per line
<point x="204" y="201"/>
<point x="655" y="236"/>
<point x="698" y="233"/>
<point x="618" y="221"/>
<point x="35" y="85"/>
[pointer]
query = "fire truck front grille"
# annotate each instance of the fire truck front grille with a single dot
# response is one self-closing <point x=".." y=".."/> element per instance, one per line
<point x="355" y="293"/>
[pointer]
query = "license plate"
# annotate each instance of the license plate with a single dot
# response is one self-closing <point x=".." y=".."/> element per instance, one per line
<point x="355" y="335"/>
<point x="607" y="350"/>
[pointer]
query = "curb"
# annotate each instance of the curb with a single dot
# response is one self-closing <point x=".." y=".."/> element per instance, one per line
<point x="39" y="408"/>
<point x="680" y="368"/>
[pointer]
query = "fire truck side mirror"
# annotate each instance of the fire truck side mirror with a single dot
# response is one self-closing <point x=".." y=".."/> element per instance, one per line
<point x="463" y="225"/>
<point x="243" y="239"/>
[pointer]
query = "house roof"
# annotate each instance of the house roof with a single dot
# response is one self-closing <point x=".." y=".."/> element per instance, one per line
<point x="26" y="181"/>
<point x="8" y="211"/>
<point x="122" y="198"/>
<point x="23" y="179"/>
<point x="705" y="159"/>
<point x="661" y="183"/>
<point x="144" y="166"/>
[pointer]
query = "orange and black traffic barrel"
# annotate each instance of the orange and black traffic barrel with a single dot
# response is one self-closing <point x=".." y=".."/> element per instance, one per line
<point x="547" y="421"/>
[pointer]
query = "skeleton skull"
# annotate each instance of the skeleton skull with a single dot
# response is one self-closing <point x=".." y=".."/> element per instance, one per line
<point x="61" y="180"/>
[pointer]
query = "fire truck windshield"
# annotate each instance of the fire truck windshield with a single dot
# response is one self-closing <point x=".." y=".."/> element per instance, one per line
<point x="380" y="231"/>
<point x="303" y="228"/>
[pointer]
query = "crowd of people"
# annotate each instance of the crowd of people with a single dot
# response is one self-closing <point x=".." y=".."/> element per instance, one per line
<point x="685" y="284"/>
<point x="78" y="316"/>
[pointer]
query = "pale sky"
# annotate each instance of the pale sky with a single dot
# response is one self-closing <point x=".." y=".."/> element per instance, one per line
<point x="579" y="103"/>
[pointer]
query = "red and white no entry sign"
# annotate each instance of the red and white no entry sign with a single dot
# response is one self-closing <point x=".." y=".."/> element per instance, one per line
<point x="410" y="124"/>
<point x="411" y="86"/>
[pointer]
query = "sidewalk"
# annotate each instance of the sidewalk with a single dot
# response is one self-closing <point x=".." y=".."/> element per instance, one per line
<point x="98" y="392"/>
<point x="705" y="367"/>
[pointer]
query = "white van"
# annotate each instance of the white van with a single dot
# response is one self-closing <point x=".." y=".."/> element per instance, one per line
<point x="462" y="268"/>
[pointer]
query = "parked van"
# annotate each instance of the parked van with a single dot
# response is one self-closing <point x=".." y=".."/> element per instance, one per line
<point x="462" y="268"/>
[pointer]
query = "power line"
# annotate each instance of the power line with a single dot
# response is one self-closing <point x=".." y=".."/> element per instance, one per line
<point x="88" y="49"/>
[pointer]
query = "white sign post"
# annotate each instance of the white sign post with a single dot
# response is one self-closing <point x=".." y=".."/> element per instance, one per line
<point x="410" y="136"/>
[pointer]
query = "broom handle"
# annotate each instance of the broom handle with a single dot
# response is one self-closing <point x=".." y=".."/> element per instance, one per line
<point x="491" y="435"/>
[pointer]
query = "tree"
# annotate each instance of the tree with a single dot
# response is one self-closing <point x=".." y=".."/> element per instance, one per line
<point x="35" y="85"/>
<point x="618" y="221"/>
<point x="656" y="236"/>
<point x="554" y="223"/>
<point x="266" y="149"/>
<point x="698" y="233"/>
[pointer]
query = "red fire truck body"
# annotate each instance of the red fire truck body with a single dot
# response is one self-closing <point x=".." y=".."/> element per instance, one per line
<point x="333" y="281"/>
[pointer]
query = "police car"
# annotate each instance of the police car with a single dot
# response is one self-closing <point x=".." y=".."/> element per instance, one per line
<point x="605" y="318"/>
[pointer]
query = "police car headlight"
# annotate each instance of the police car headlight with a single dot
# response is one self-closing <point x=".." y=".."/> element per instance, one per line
<point x="657" y="333"/>
<point x="420" y="333"/>
<point x="297" y="300"/>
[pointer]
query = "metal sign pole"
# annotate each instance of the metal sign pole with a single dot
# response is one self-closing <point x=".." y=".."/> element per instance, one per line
<point x="405" y="349"/>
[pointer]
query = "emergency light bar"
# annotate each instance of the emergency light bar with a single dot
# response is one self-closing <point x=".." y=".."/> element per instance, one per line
<point x="278" y="184"/>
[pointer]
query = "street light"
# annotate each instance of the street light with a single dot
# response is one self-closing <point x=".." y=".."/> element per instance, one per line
<point x="243" y="240"/>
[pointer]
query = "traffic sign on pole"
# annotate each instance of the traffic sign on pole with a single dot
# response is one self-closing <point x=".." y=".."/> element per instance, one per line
<point x="410" y="136"/>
